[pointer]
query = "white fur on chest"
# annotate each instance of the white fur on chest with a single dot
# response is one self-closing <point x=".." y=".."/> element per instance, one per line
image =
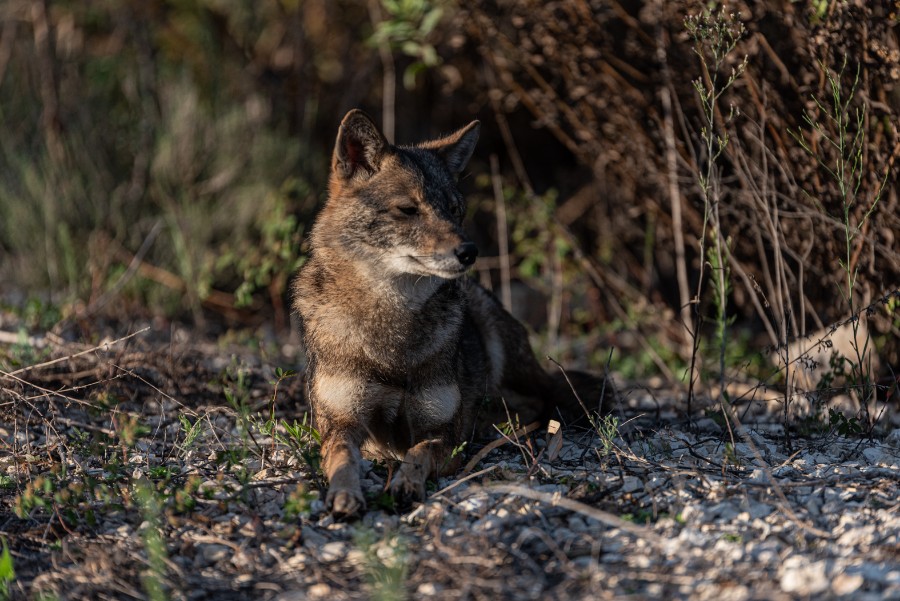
<point x="437" y="405"/>
<point x="429" y="406"/>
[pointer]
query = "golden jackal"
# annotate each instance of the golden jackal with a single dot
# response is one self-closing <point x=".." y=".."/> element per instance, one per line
<point x="402" y="349"/>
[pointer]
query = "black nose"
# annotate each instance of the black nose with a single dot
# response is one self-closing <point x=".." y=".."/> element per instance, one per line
<point x="466" y="253"/>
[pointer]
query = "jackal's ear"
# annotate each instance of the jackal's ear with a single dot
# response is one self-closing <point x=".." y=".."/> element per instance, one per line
<point x="359" y="148"/>
<point x="457" y="148"/>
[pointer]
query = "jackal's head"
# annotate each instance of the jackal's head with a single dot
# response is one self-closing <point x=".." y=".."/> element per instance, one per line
<point x="398" y="208"/>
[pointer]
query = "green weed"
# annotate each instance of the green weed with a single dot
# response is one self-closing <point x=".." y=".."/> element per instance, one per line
<point x="843" y="425"/>
<point x="302" y="438"/>
<point x="730" y="456"/>
<point x="265" y="263"/>
<point x="154" y="545"/>
<point x="382" y="500"/>
<point x="191" y="432"/>
<point x="607" y="428"/>
<point x="22" y="353"/>
<point x="641" y="516"/>
<point x="298" y="502"/>
<point x="715" y="37"/>
<point x="129" y="429"/>
<point x="840" y="123"/>
<point x="236" y="389"/>
<point x="386" y="564"/>
<point x="7" y="572"/>
<point x="408" y="26"/>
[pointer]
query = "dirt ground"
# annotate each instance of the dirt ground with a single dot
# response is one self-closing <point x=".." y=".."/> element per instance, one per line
<point x="157" y="467"/>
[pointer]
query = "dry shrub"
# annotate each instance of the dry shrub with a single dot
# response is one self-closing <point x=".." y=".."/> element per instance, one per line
<point x="595" y="74"/>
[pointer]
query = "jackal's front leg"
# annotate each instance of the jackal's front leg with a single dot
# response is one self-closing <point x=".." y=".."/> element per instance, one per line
<point x="425" y="459"/>
<point x="341" y="462"/>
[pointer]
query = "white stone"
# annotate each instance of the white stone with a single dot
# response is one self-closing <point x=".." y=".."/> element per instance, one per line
<point x="333" y="551"/>
<point x="846" y="584"/>
<point x="427" y="589"/>
<point x="799" y="575"/>
<point x="881" y="456"/>
<point x="879" y="572"/>
<point x="320" y="590"/>
<point x="893" y="438"/>
<point x="722" y="512"/>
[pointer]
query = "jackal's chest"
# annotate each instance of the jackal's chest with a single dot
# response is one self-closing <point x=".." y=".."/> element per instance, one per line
<point x="394" y="338"/>
<point x="383" y="406"/>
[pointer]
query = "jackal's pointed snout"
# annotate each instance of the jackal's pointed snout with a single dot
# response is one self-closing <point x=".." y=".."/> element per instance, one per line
<point x="466" y="252"/>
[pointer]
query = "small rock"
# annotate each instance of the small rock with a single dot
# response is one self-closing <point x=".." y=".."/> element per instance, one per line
<point x="846" y="584"/>
<point x="880" y="573"/>
<point x="759" y="510"/>
<point x="893" y="438"/>
<point x="473" y="504"/>
<point x="320" y="590"/>
<point x="586" y="562"/>
<point x="831" y="494"/>
<point x="758" y="475"/>
<point x="488" y="523"/>
<point x="356" y="556"/>
<point x="723" y="512"/>
<point x="243" y="561"/>
<point x="785" y="471"/>
<point x="427" y="589"/>
<point x="297" y="560"/>
<point x="691" y="512"/>
<point x="641" y="561"/>
<point x="333" y="551"/>
<point x="765" y="552"/>
<point x="708" y="425"/>
<point x="878" y="456"/>
<point x="210" y="553"/>
<point x="381" y="521"/>
<point x="632" y="484"/>
<point x="311" y="538"/>
<point x="814" y="505"/>
<point x="799" y="575"/>
<point x="577" y="523"/>
<point x="552" y="488"/>
<point x="316" y="507"/>
<point x="563" y="536"/>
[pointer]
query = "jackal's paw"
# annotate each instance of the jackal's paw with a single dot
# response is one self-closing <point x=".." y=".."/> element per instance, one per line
<point x="407" y="488"/>
<point x="345" y="504"/>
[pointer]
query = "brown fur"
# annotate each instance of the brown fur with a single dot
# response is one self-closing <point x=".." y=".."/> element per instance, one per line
<point x="402" y="349"/>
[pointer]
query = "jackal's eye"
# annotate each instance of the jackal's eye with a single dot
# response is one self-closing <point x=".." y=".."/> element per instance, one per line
<point x="408" y="210"/>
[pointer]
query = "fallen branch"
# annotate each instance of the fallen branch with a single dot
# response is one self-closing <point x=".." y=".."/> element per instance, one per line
<point x="558" y="500"/>
<point x="102" y="347"/>
<point x="499" y="443"/>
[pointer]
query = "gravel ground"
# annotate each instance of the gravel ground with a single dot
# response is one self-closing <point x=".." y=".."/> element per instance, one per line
<point x="139" y="471"/>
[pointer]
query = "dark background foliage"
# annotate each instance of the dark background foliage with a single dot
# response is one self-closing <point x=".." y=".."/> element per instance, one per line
<point x="166" y="158"/>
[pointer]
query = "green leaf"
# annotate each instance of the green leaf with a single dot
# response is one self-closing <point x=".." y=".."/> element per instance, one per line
<point x="409" y="74"/>
<point x="7" y="573"/>
<point x="432" y="18"/>
<point x="411" y="48"/>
